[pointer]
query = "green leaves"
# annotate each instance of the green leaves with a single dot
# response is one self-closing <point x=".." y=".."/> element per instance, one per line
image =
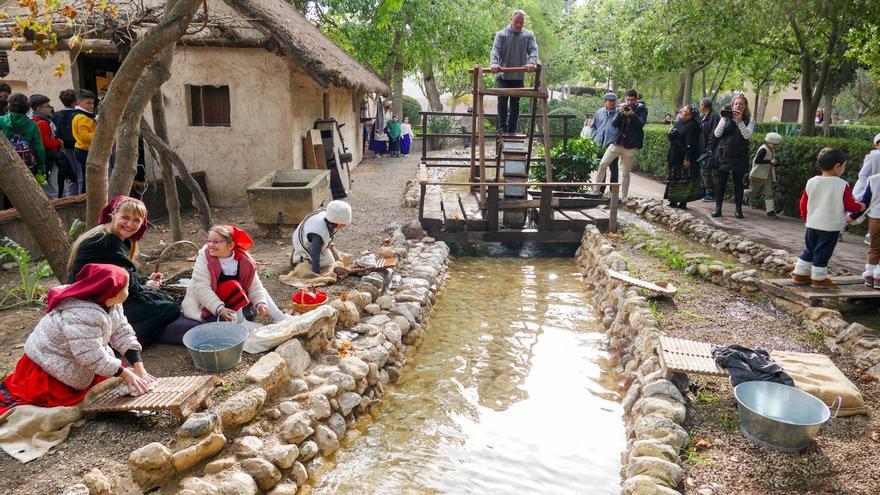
<point x="29" y="291"/>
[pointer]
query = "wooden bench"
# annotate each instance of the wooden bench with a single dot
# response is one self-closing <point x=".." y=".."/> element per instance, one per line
<point x="688" y="356"/>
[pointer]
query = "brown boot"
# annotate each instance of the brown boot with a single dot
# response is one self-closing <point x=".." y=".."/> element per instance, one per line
<point x="800" y="279"/>
<point x="826" y="283"/>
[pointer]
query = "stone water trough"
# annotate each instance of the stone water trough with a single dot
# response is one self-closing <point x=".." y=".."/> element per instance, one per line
<point x="282" y="198"/>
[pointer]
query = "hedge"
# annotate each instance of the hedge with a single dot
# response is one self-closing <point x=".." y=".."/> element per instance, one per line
<point x="863" y="132"/>
<point x="797" y="156"/>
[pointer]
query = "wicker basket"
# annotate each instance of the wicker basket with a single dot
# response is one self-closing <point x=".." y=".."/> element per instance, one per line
<point x="175" y="291"/>
<point x="305" y="308"/>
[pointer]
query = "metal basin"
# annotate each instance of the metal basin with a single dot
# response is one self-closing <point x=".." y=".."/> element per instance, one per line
<point x="779" y="417"/>
<point x="215" y="346"/>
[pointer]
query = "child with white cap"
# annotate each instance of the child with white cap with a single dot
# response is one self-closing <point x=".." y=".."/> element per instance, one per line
<point x="763" y="174"/>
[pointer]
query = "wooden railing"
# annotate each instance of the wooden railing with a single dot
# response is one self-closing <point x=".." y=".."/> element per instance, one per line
<point x="491" y="203"/>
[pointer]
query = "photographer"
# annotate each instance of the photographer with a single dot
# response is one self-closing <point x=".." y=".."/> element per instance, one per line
<point x="629" y="122"/>
<point x="708" y="159"/>
<point x="733" y="133"/>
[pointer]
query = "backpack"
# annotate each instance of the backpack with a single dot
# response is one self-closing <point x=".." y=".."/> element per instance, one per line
<point x="24" y="150"/>
<point x="64" y="127"/>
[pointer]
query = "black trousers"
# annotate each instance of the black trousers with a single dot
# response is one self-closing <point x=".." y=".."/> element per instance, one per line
<point x="721" y="187"/>
<point x="507" y="122"/>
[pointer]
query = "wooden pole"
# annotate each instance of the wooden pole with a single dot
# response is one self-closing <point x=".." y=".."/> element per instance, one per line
<point x="481" y="124"/>
<point x="545" y="213"/>
<point x="492" y="208"/>
<point x="546" y="123"/>
<point x="476" y="71"/>
<point x="612" y="214"/>
<point x="424" y="136"/>
<point x="565" y="134"/>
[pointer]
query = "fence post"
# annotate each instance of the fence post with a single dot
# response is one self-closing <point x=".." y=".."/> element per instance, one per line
<point x="424" y="137"/>
<point x="612" y="216"/>
<point x="565" y="134"/>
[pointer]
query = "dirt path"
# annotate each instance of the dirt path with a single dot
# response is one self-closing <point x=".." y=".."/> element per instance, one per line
<point x="844" y="457"/>
<point x="106" y="441"/>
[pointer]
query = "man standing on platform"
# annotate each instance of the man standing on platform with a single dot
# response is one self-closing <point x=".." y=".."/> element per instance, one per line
<point x="513" y="47"/>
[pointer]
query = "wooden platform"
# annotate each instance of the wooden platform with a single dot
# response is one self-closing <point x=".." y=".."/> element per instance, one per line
<point x="852" y="287"/>
<point x="457" y="217"/>
<point x="688" y="356"/>
<point x="180" y="395"/>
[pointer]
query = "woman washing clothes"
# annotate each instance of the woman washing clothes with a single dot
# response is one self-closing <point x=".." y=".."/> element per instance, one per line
<point x="312" y="239"/>
<point x="122" y="223"/>
<point x="71" y="348"/>
<point x="225" y="285"/>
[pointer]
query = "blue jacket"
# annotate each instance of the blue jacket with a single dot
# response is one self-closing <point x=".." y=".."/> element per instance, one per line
<point x="604" y="133"/>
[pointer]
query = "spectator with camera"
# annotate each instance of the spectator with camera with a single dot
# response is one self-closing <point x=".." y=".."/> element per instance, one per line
<point x="604" y="134"/>
<point x="708" y="159"/>
<point x="629" y="123"/>
<point x="733" y="132"/>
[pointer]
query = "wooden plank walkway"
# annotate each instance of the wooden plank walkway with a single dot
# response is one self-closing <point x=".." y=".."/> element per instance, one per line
<point x="851" y="287"/>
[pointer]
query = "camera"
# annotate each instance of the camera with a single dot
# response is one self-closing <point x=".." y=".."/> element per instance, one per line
<point x="726" y="112"/>
<point x="627" y="108"/>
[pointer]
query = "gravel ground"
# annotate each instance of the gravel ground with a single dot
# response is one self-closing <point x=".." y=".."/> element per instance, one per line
<point x="106" y="441"/>
<point x="844" y="457"/>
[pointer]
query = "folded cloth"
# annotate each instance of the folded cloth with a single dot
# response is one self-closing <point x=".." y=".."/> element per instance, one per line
<point x="817" y="375"/>
<point x="749" y="365"/>
<point x="27" y="432"/>
<point x="302" y="275"/>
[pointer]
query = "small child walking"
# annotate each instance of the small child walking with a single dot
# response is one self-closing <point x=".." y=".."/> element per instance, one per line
<point x="407" y="137"/>
<point x="394" y="133"/>
<point x="871" y="199"/>
<point x="763" y="173"/>
<point x="824" y="204"/>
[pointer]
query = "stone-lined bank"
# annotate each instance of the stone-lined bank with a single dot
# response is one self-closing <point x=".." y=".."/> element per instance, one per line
<point x="654" y="408"/>
<point x="778" y="261"/>
<point x="302" y="397"/>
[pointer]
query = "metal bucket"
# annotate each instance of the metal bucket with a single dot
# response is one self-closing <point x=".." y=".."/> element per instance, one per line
<point x="215" y="346"/>
<point x="780" y="417"/>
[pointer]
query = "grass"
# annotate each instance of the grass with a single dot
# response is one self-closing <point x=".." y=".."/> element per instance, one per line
<point x="815" y="338"/>
<point x="692" y="456"/>
<point x="707" y="397"/>
<point x="655" y="310"/>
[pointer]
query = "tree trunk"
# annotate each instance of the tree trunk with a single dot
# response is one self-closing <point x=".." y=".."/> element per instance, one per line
<point x="166" y="153"/>
<point x="808" y="118"/>
<point x="397" y="83"/>
<point x="431" y="91"/>
<point x="129" y="132"/>
<point x="829" y="106"/>
<point x="762" y="97"/>
<point x="169" y="183"/>
<point x="679" y="97"/>
<point x="172" y="26"/>
<point x="33" y="206"/>
<point x="688" y="92"/>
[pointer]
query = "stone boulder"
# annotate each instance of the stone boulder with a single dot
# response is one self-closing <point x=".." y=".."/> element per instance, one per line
<point x="185" y="459"/>
<point x="326" y="440"/>
<point x="668" y="473"/>
<point x="247" y="446"/>
<point x="307" y="450"/>
<point x="198" y="486"/>
<point x="662" y="429"/>
<point x="238" y="483"/>
<point x="354" y="366"/>
<point x="263" y="472"/>
<point x="97" y="483"/>
<point x="269" y="373"/>
<point x="199" y="424"/>
<point x="284" y="489"/>
<point x="297" y="427"/>
<point x="241" y="407"/>
<point x="150" y="465"/>
<point x="283" y="456"/>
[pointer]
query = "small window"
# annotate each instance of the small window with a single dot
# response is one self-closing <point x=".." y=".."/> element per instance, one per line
<point x="209" y="105"/>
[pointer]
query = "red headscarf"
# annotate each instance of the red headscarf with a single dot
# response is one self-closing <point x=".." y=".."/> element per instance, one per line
<point x="104" y="217"/>
<point x="241" y="238"/>
<point x="96" y="282"/>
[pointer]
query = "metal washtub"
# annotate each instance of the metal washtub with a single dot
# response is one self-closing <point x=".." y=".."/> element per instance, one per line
<point x="780" y="417"/>
<point x="216" y="346"/>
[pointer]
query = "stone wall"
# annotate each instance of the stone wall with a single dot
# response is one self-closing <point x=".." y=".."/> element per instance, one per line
<point x="303" y="397"/>
<point x="654" y="408"/>
<point x="778" y="261"/>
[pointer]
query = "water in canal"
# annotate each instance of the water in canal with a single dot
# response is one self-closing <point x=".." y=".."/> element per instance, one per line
<point x="509" y="393"/>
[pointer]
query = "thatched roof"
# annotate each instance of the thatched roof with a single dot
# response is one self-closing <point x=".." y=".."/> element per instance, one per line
<point x="300" y="40"/>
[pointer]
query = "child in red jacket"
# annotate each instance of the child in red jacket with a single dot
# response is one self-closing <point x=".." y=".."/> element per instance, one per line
<point x="41" y="113"/>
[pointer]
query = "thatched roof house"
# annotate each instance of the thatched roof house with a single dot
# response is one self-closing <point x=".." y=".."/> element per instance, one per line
<point x="248" y="80"/>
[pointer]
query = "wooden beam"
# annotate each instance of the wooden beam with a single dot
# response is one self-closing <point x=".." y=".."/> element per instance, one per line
<point x="514" y="92"/>
<point x="545" y="214"/>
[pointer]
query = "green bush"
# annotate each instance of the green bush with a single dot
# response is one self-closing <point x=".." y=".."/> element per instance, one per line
<point x="862" y="132"/>
<point x="442" y="124"/>
<point x="411" y="109"/>
<point x="576" y="164"/>
<point x="797" y="156"/>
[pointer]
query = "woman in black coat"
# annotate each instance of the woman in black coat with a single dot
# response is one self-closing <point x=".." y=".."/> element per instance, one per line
<point x="733" y="133"/>
<point x="114" y="241"/>
<point x="684" y="182"/>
